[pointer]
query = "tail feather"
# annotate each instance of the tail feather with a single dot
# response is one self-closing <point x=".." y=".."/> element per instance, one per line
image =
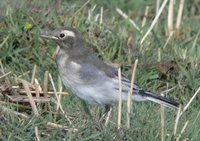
<point x="143" y="95"/>
<point x="160" y="99"/>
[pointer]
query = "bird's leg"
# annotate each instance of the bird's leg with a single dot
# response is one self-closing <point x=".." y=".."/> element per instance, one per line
<point x="86" y="109"/>
<point x="107" y="109"/>
<point x="95" y="122"/>
<point x="106" y="114"/>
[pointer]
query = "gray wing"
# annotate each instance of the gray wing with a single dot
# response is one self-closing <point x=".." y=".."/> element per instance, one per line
<point x="97" y="70"/>
<point x="94" y="61"/>
<point x="91" y="74"/>
<point x="126" y="85"/>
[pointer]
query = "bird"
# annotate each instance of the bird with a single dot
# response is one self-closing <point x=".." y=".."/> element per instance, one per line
<point x="90" y="78"/>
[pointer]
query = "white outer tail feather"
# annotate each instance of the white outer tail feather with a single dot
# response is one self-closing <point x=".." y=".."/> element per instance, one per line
<point x="161" y="102"/>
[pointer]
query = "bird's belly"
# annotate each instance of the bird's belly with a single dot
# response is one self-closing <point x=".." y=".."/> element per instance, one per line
<point x="104" y="92"/>
<point x="98" y="95"/>
<point x="95" y="94"/>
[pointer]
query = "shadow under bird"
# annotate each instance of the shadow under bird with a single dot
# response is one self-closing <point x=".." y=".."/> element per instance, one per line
<point x="90" y="78"/>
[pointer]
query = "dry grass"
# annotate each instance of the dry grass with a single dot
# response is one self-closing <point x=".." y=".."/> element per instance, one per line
<point x="33" y="104"/>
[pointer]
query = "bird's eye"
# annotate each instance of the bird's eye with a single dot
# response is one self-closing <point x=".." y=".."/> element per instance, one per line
<point x="62" y="35"/>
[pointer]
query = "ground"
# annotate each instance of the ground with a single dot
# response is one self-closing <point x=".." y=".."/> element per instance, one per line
<point x="168" y="62"/>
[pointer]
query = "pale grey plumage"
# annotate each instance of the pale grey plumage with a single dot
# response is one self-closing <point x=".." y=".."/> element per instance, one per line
<point x="90" y="78"/>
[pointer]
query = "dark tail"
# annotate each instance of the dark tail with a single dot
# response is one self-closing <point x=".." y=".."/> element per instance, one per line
<point x="159" y="99"/>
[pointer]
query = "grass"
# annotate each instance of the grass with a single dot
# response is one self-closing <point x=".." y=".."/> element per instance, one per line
<point x="20" y="26"/>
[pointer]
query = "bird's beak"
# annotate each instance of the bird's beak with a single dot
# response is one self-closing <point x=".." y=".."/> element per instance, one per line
<point x="49" y="37"/>
<point x="53" y="38"/>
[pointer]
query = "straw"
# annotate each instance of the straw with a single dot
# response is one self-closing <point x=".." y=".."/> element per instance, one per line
<point x="120" y="100"/>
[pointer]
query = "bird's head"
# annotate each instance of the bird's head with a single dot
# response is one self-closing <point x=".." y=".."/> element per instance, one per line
<point x="64" y="37"/>
<point x="68" y="39"/>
